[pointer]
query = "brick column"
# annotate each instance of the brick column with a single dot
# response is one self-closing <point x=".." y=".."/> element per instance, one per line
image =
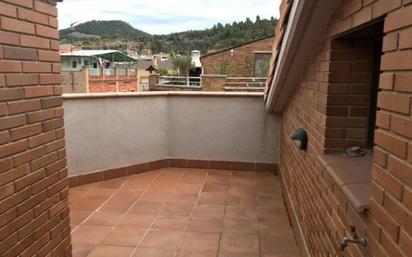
<point x="153" y="81"/>
<point x="34" y="213"/>
<point x="213" y="82"/>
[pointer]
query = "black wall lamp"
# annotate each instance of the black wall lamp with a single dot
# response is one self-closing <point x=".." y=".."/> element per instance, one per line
<point x="301" y="136"/>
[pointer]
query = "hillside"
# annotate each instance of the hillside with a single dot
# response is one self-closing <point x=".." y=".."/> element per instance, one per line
<point x="106" y="30"/>
<point x="121" y="35"/>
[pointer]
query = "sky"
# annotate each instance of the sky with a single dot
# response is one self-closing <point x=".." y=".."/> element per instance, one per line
<point x="166" y="16"/>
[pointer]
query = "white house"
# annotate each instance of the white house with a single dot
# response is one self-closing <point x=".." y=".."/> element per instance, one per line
<point x="76" y="60"/>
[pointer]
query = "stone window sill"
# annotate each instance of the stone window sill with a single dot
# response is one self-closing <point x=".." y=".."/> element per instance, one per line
<point x="352" y="176"/>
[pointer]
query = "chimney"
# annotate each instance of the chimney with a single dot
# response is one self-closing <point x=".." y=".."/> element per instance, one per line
<point x="196" y="59"/>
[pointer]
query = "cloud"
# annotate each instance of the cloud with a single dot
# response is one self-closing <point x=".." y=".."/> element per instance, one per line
<point x="166" y="16"/>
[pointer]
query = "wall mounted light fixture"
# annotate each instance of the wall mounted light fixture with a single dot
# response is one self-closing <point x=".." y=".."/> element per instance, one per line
<point x="301" y="136"/>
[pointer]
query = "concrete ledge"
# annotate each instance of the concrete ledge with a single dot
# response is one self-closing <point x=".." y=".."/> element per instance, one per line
<point x="162" y="93"/>
<point x="97" y="176"/>
<point x="353" y="176"/>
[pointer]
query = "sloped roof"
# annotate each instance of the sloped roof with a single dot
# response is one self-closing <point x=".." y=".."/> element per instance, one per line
<point x="301" y="27"/>
<point x="112" y="55"/>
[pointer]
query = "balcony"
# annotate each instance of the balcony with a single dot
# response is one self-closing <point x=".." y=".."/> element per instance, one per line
<point x="175" y="174"/>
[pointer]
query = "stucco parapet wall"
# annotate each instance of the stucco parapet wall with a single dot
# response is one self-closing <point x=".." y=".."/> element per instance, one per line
<point x="162" y="93"/>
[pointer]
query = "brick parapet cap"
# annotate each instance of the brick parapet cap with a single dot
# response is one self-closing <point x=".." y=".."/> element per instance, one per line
<point x="162" y="93"/>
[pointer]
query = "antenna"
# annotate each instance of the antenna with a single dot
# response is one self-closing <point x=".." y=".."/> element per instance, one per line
<point x="72" y="29"/>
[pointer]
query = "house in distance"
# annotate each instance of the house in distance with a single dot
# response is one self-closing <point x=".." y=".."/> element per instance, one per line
<point x="250" y="59"/>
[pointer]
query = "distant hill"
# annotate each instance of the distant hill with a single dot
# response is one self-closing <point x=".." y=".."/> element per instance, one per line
<point x="104" y="29"/>
<point x="122" y="36"/>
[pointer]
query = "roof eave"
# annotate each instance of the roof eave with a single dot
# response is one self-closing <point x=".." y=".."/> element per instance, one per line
<point x="236" y="46"/>
<point x="309" y="20"/>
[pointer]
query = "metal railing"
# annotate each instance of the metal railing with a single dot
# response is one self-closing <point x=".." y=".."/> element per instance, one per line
<point x="97" y="72"/>
<point x="178" y="81"/>
<point x="246" y="82"/>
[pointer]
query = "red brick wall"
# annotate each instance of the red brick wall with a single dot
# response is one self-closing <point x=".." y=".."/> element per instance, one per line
<point x="346" y="92"/>
<point x="34" y="214"/>
<point x="323" y="211"/>
<point x="121" y="85"/>
<point x="238" y="60"/>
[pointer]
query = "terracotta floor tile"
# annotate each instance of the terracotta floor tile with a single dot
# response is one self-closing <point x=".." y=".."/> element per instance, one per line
<point x="101" y="193"/>
<point x="200" y="241"/>
<point x="102" y="218"/>
<point x="150" y="196"/>
<point x="277" y="255"/>
<point x="278" y="245"/>
<point x="171" y="223"/>
<point x="147" y="207"/>
<point x="239" y="243"/>
<point x="208" y="210"/>
<point x="119" y="206"/>
<point x="217" y="188"/>
<point x="271" y="191"/>
<point x="162" y="239"/>
<point x="266" y="201"/>
<point x="231" y="254"/>
<point x="213" y="198"/>
<point x="113" y="183"/>
<point x="167" y="178"/>
<point x="220" y="173"/>
<point x="240" y="226"/>
<point x="139" y="184"/>
<point x="77" y="217"/>
<point x="272" y="213"/>
<point x="222" y="180"/>
<point x="188" y="253"/>
<point x="123" y="237"/>
<point x="111" y="251"/>
<point x="82" y="250"/>
<point x="162" y="186"/>
<point x="187" y="188"/>
<point x="194" y="178"/>
<point x="183" y="198"/>
<point x="136" y="221"/>
<point x="197" y="171"/>
<point x="89" y="234"/>
<point x="280" y="227"/>
<point x="231" y="211"/>
<point x="241" y="198"/>
<point x="87" y="204"/>
<point x="126" y="195"/>
<point x="121" y="201"/>
<point x="177" y="209"/>
<point x="241" y="211"/>
<point x="153" y="252"/>
<point x="200" y="224"/>
<point x="239" y="189"/>
<point x="242" y="181"/>
<point x="77" y="193"/>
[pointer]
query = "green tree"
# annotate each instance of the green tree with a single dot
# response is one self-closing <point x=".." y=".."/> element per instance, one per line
<point x="182" y="64"/>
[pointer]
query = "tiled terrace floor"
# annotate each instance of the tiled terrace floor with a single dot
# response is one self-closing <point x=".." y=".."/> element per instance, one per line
<point x="184" y="213"/>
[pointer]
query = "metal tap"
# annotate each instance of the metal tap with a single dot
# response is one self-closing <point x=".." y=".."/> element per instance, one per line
<point x="355" y="239"/>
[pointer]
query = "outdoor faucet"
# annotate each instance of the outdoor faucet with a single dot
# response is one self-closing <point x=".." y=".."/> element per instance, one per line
<point x="354" y="240"/>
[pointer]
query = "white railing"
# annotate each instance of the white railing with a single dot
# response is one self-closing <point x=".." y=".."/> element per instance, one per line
<point x="177" y="81"/>
<point x="246" y="81"/>
<point x="95" y="71"/>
